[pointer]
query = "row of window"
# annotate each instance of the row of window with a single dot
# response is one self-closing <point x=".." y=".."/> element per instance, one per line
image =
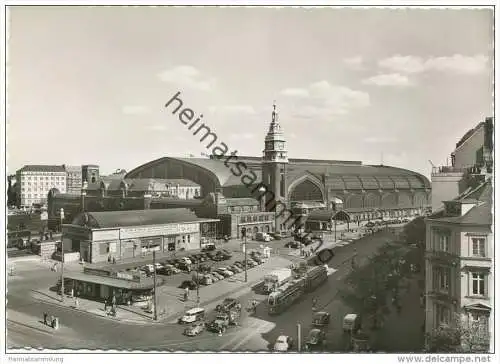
<point x="255" y="218"/>
<point x="443" y="317"/>
<point x="25" y="173"/>
<point x="52" y="178"/>
<point x="477" y="246"/>
<point x="35" y="195"/>
<point x="476" y="282"/>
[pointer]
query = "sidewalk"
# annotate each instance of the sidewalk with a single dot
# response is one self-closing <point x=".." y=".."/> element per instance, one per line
<point x="169" y="299"/>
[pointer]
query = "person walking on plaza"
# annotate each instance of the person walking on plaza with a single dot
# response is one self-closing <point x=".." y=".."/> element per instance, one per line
<point x="186" y="294"/>
<point x="45" y="318"/>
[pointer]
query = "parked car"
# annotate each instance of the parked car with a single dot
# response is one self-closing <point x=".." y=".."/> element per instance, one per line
<point x="193" y="258"/>
<point x="204" y="268"/>
<point x="283" y="343"/>
<point x="260" y="236"/>
<point x="148" y="268"/>
<point x="257" y="260"/>
<point x="225" y="256"/>
<point x="207" y="247"/>
<point x="228" y="304"/>
<point x="186" y="260"/>
<point x="195" y="329"/>
<point x="321" y="319"/>
<point x="227" y="252"/>
<point x="224" y="272"/>
<point x="370" y="224"/>
<point x="235" y="269"/>
<point x="275" y="236"/>
<point x="218" y="275"/>
<point x="218" y="258"/>
<point x="239" y="265"/>
<point x="189" y="284"/>
<point x="315" y="340"/>
<point x="185" y="267"/>
<point x="251" y="263"/>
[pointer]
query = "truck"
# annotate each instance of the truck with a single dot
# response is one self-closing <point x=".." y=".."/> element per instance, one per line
<point x="276" y="279"/>
<point x="285" y="295"/>
<point x="223" y="320"/>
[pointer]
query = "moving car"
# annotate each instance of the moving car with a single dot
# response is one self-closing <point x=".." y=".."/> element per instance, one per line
<point x="251" y="263"/>
<point x="195" y="329"/>
<point x="351" y="323"/>
<point x="228" y="304"/>
<point x="315" y="340"/>
<point x="283" y="343"/>
<point x="192" y="315"/>
<point x="189" y="284"/>
<point x="321" y="319"/>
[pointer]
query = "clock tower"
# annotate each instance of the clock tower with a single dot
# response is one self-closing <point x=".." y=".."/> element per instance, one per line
<point x="274" y="163"/>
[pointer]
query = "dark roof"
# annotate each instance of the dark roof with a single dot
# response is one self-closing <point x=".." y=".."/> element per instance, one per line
<point x="478" y="215"/>
<point x="386" y="177"/>
<point x="146" y="283"/>
<point x="110" y="219"/>
<point x="42" y="168"/>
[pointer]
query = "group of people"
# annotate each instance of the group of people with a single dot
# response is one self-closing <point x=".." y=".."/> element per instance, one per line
<point x="49" y="321"/>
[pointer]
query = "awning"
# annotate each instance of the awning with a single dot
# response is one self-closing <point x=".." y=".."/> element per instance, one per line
<point x="112" y="282"/>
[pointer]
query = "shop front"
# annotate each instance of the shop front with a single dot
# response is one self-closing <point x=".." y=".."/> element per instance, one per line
<point x="114" y="235"/>
<point x="127" y="289"/>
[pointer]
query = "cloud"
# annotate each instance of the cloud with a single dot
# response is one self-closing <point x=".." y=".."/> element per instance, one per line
<point x="457" y="63"/>
<point x="187" y="76"/>
<point x="354" y="62"/>
<point x="135" y="110"/>
<point x="232" y="109"/>
<point x="242" y="136"/>
<point x="391" y="79"/>
<point x="322" y="99"/>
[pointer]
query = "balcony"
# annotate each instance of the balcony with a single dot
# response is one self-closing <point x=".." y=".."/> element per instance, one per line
<point x="442" y="257"/>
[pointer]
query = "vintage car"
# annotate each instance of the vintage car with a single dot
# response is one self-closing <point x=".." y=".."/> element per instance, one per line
<point x="315" y="340"/>
<point x="228" y="304"/>
<point x="195" y="329"/>
<point x="283" y="343"/>
<point x="321" y="319"/>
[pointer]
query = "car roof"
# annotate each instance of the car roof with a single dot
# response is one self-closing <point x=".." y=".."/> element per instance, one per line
<point x="195" y="310"/>
<point x="314" y="331"/>
<point x="320" y="313"/>
<point x="282" y="337"/>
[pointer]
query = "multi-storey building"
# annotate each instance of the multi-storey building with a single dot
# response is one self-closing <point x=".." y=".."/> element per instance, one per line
<point x="459" y="256"/>
<point x="73" y="179"/>
<point x="472" y="156"/>
<point x="35" y="181"/>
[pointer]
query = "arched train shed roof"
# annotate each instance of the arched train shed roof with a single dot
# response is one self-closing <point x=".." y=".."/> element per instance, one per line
<point x="338" y="176"/>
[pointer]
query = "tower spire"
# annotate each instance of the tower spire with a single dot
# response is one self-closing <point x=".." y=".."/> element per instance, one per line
<point x="274" y="112"/>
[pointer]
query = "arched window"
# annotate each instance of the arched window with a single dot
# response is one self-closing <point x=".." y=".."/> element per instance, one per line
<point x="306" y="191"/>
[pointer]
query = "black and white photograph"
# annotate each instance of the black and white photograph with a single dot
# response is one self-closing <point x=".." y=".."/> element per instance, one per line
<point x="248" y="179"/>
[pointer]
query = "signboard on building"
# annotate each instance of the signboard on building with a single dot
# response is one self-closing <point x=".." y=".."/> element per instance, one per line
<point x="100" y="235"/>
<point x="171" y="229"/>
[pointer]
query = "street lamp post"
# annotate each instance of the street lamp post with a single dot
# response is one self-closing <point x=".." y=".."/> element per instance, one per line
<point x="244" y="233"/>
<point x="62" y="256"/>
<point x="155" y="316"/>
<point x="262" y="200"/>
<point x="299" y="338"/>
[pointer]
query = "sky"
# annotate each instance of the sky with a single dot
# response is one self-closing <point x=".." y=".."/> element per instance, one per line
<point x="88" y="85"/>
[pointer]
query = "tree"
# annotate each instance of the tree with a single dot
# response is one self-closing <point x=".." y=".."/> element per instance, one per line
<point x="462" y="336"/>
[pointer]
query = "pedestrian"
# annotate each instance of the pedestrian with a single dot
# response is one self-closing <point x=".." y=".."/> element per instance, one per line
<point x="105" y="305"/>
<point x="186" y="293"/>
<point x="114" y="260"/>
<point x="52" y="321"/>
<point x="76" y="302"/>
<point x="45" y="318"/>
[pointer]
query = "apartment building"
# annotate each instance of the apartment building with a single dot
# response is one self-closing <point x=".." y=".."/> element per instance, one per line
<point x="459" y="256"/>
<point x="73" y="179"/>
<point x="35" y="181"/>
